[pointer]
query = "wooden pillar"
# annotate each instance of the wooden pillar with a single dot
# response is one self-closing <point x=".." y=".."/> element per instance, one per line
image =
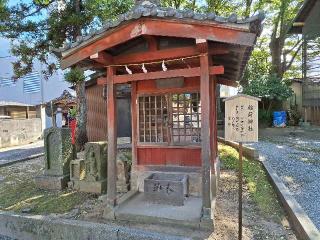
<point x="213" y="119"/>
<point x="205" y="129"/>
<point x="134" y="124"/>
<point x="112" y="139"/>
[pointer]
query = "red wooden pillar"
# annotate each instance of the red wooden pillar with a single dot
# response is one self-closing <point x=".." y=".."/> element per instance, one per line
<point x="205" y="125"/>
<point x="134" y="123"/>
<point x="112" y="139"/>
<point x="214" y="116"/>
<point x="213" y="121"/>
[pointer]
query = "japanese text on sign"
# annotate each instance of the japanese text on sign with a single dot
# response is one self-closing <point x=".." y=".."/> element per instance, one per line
<point x="241" y="118"/>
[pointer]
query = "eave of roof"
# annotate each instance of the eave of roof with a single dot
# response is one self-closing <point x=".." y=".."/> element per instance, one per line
<point x="16" y="104"/>
<point x="301" y="16"/>
<point x="148" y="9"/>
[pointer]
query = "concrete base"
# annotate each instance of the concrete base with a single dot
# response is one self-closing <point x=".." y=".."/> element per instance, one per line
<point x="137" y="209"/>
<point x="36" y="227"/>
<point x="52" y="182"/>
<point x="98" y="187"/>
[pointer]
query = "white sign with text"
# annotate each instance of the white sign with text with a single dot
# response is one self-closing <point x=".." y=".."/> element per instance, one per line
<point x="241" y="118"/>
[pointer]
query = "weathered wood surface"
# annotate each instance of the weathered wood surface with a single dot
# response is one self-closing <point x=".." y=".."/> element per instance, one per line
<point x="134" y="122"/>
<point x="112" y="138"/>
<point x="241" y="119"/>
<point x="156" y="27"/>
<point x="169" y="155"/>
<point x="164" y="54"/>
<point x="186" y="72"/>
<point x="205" y="130"/>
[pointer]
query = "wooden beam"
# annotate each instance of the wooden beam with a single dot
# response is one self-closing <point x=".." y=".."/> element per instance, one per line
<point x="105" y="41"/>
<point x="157" y="27"/>
<point x="185" y="72"/>
<point x="164" y="55"/>
<point x="152" y="42"/>
<point x="202" y="45"/>
<point x="102" y="58"/>
<point x="205" y="132"/>
<point x="227" y="82"/>
<point x="134" y="123"/>
<point x="212" y="32"/>
<point x="112" y="139"/>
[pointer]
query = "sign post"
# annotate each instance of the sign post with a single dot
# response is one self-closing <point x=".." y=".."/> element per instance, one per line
<point x="241" y="125"/>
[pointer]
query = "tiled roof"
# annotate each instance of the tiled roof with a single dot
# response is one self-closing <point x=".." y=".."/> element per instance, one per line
<point x="150" y="8"/>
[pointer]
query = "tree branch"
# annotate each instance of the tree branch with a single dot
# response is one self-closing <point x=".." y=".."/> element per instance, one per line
<point x="293" y="57"/>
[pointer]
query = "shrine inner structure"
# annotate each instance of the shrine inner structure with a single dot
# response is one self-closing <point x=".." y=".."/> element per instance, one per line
<point x="174" y="61"/>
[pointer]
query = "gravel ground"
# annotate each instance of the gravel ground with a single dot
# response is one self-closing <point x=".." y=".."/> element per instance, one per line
<point x="20" y="152"/>
<point x="297" y="161"/>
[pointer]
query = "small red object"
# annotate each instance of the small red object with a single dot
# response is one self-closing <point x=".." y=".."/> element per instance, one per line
<point x="73" y="125"/>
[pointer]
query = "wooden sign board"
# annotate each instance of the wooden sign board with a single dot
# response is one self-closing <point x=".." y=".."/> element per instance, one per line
<point x="241" y="118"/>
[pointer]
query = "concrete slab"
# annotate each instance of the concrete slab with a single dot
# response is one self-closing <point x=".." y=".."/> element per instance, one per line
<point x="140" y="210"/>
<point x="38" y="227"/>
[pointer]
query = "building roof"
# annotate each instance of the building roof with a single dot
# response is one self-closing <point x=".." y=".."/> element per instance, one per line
<point x="151" y="8"/>
<point x="16" y="104"/>
<point x="66" y="98"/>
<point x="242" y="95"/>
<point x="174" y="27"/>
<point x="298" y="22"/>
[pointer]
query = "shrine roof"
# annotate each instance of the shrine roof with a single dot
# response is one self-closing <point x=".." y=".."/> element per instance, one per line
<point x="151" y="9"/>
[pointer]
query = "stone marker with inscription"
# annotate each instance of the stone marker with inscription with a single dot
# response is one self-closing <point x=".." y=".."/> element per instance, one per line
<point x="59" y="152"/>
<point x="90" y="174"/>
<point x="166" y="188"/>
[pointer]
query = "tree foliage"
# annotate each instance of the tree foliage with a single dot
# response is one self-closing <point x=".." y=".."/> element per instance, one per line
<point x="75" y="75"/>
<point x="271" y="90"/>
<point x="4" y="14"/>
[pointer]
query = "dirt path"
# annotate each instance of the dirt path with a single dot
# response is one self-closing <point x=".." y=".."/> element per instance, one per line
<point x="255" y="225"/>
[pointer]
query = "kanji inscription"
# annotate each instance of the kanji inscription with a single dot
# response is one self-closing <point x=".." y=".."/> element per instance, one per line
<point x="241" y="118"/>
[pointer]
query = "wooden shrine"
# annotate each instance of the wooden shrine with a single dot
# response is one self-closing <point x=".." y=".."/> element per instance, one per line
<point x="174" y="61"/>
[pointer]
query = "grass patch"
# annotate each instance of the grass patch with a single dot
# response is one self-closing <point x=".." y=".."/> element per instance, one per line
<point x="18" y="191"/>
<point x="260" y="189"/>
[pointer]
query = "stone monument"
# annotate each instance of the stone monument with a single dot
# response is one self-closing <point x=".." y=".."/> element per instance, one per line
<point x="90" y="174"/>
<point x="58" y="152"/>
<point x="166" y="188"/>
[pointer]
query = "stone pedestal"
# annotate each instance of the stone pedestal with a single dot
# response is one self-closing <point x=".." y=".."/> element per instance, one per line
<point x="166" y="188"/>
<point x="90" y="174"/>
<point x="58" y="151"/>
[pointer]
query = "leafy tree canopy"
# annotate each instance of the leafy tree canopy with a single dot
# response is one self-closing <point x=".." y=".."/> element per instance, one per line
<point x="42" y="25"/>
<point x="269" y="87"/>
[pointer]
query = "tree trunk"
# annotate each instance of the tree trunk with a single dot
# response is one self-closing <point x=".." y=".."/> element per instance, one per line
<point x="276" y="52"/>
<point x="81" y="129"/>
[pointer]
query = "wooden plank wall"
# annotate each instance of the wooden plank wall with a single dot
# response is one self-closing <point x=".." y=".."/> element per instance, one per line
<point x="17" y="112"/>
<point x="97" y="114"/>
<point x="183" y="156"/>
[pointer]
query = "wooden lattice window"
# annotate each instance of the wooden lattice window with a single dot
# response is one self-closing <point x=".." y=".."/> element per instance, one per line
<point x="153" y="119"/>
<point x="174" y="119"/>
<point x="186" y="118"/>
